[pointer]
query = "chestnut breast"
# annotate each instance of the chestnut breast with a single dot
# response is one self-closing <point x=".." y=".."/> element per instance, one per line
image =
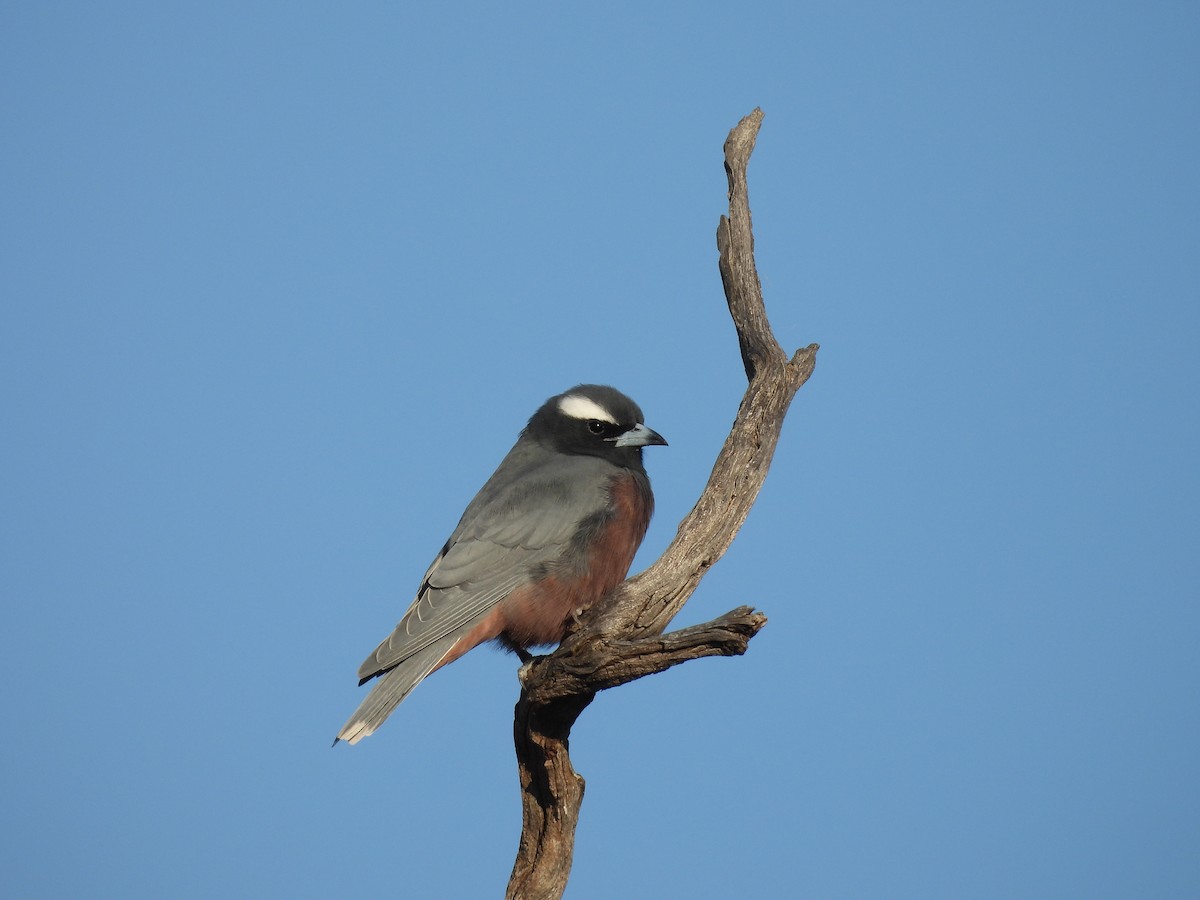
<point x="595" y="561"/>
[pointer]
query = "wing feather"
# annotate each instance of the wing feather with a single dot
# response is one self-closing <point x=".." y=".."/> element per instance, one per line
<point x="518" y="526"/>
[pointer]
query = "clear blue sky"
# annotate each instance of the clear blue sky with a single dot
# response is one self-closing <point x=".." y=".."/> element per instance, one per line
<point x="281" y="283"/>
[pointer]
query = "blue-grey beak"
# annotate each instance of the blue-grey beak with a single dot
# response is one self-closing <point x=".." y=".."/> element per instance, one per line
<point x="640" y="436"/>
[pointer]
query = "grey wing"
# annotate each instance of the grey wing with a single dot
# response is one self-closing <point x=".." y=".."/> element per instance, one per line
<point x="514" y="526"/>
<point x="521" y="520"/>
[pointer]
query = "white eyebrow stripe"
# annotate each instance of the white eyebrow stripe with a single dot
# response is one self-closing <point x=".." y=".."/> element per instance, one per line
<point x="579" y="407"/>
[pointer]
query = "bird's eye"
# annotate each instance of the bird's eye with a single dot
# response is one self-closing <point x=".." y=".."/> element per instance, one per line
<point x="595" y="426"/>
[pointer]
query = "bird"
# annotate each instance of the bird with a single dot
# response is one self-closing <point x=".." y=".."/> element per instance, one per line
<point x="552" y="530"/>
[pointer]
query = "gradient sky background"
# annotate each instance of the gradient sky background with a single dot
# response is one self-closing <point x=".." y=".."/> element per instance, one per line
<point x="282" y="282"/>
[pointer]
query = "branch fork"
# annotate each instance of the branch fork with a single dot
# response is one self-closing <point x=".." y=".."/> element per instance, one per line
<point x="622" y="638"/>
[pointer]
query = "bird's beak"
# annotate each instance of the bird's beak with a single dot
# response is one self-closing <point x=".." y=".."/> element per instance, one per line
<point x="640" y="436"/>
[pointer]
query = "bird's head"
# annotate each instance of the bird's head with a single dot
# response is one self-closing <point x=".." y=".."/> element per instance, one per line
<point x="593" y="420"/>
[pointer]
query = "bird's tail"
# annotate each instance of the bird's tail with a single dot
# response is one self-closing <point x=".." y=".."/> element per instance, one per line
<point x="391" y="688"/>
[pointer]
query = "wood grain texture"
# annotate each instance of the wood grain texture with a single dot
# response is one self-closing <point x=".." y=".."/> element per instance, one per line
<point x="621" y="639"/>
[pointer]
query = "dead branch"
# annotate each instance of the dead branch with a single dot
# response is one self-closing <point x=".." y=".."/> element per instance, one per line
<point x="621" y="639"/>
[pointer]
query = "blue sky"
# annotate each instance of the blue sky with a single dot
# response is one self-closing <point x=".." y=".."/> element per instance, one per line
<point x="281" y="283"/>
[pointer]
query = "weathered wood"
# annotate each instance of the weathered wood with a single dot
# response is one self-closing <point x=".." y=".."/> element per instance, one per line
<point x="621" y="639"/>
<point x="551" y="794"/>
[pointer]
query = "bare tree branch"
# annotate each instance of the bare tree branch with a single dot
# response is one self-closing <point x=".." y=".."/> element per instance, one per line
<point x="621" y="639"/>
